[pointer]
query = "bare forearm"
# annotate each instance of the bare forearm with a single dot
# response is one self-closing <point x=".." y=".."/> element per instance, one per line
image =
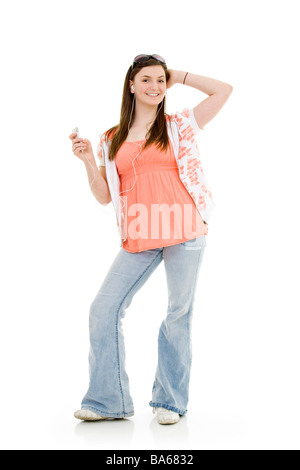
<point x="97" y="183"/>
<point x="207" y="85"/>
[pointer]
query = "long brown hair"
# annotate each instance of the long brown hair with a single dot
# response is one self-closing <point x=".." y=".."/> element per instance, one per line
<point x="157" y="133"/>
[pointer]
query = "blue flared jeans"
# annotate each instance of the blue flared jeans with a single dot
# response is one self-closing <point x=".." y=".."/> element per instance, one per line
<point x="109" y="393"/>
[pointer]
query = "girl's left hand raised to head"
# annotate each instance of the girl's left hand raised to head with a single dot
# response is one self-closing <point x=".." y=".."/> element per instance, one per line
<point x="173" y="78"/>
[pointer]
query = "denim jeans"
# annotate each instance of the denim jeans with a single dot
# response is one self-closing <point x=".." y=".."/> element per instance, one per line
<point x="108" y="393"/>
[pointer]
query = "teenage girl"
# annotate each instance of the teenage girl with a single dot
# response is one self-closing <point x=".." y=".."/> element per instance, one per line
<point x="147" y="167"/>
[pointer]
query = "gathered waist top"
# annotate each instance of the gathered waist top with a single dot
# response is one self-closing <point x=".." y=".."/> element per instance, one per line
<point x="157" y="209"/>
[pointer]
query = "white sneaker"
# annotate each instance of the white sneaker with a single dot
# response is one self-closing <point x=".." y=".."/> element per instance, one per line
<point x="165" y="416"/>
<point x="87" y="415"/>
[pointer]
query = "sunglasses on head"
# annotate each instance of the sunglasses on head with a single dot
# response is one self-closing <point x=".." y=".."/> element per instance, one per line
<point x="140" y="59"/>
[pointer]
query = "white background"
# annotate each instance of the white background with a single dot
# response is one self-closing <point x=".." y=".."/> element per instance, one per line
<point x="63" y="65"/>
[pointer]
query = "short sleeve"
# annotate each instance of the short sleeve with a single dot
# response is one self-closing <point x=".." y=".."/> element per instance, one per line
<point x="100" y="155"/>
<point x="194" y="124"/>
<point x="189" y="114"/>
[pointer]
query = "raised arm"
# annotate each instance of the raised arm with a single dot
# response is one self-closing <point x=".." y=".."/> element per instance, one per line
<point x="218" y="92"/>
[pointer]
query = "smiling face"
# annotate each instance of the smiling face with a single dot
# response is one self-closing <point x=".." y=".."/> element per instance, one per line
<point x="150" y="81"/>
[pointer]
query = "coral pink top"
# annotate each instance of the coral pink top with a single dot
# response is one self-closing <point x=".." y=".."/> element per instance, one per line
<point x="158" y="210"/>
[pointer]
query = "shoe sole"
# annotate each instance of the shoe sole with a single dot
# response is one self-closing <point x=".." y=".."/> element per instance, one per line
<point x="89" y="418"/>
<point x="168" y="422"/>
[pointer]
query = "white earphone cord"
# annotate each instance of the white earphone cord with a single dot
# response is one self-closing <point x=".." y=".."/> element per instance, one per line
<point x="132" y="160"/>
<point x="121" y="199"/>
<point x="91" y="168"/>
